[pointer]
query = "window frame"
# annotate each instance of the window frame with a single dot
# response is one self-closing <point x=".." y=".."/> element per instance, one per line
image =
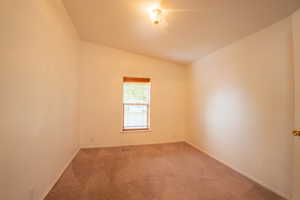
<point x="135" y="80"/>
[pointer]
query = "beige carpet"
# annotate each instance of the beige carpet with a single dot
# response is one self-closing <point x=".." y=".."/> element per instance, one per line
<point x="153" y="172"/>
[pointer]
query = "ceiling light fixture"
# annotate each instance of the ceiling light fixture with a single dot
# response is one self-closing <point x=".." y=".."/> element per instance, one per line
<point x="156" y="15"/>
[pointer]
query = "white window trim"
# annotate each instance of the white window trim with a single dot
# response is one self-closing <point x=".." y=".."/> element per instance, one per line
<point x="146" y="130"/>
<point x="136" y="131"/>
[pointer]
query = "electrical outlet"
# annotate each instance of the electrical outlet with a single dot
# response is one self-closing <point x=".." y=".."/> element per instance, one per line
<point x="92" y="140"/>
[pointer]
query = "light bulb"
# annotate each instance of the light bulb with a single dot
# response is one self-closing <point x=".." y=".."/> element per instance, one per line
<point x="156" y="15"/>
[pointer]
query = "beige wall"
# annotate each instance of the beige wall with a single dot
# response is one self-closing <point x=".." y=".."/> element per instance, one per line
<point x="38" y="103"/>
<point x="241" y="109"/>
<point x="240" y="100"/>
<point x="102" y="70"/>
<point x="296" y="39"/>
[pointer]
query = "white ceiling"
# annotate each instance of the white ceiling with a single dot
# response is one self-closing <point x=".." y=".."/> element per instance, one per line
<point x="192" y="28"/>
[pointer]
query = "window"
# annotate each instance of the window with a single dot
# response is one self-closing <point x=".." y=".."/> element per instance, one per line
<point x="136" y="103"/>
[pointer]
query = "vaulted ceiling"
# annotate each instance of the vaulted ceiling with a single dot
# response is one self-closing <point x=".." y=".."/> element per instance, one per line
<point x="192" y="28"/>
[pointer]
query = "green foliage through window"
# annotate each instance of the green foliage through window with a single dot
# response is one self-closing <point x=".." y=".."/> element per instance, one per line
<point x="136" y="93"/>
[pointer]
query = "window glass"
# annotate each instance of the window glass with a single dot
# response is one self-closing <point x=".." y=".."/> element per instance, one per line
<point x="136" y="100"/>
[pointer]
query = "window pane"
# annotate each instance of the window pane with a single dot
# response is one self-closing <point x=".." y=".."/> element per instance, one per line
<point x="136" y="93"/>
<point x="135" y="116"/>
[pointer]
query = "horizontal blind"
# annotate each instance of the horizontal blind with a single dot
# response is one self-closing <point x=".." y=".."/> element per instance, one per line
<point x="136" y="80"/>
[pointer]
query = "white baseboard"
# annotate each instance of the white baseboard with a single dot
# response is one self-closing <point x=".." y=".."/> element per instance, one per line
<point x="241" y="172"/>
<point x="60" y="173"/>
<point x="124" y="145"/>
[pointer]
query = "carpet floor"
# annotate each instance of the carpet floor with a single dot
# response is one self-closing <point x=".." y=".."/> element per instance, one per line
<point x="174" y="171"/>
